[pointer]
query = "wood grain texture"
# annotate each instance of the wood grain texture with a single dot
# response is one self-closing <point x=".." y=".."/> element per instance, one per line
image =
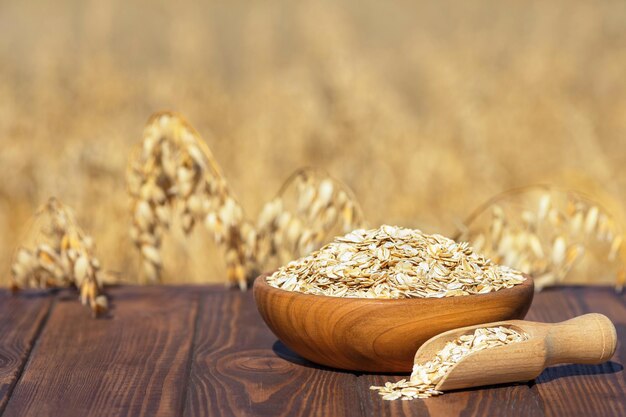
<point x="239" y="369"/>
<point x="377" y="335"/>
<point x="583" y="390"/>
<point x="21" y="319"/>
<point x="146" y="360"/>
<point x="132" y="364"/>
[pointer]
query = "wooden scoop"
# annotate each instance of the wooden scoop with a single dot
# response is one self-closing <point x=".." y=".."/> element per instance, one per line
<point x="587" y="339"/>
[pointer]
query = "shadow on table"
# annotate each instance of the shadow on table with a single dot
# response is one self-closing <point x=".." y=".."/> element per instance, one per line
<point x="287" y="354"/>
<point x="556" y="372"/>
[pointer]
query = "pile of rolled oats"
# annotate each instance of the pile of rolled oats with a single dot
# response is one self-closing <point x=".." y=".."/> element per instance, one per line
<point x="394" y="262"/>
<point x="426" y="376"/>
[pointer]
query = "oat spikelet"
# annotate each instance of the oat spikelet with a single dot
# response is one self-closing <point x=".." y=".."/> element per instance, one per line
<point x="173" y="172"/>
<point x="62" y="256"/>
<point x="309" y="209"/>
<point x="556" y="235"/>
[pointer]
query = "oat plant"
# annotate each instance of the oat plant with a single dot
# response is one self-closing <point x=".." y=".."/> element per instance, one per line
<point x="309" y="209"/>
<point x="173" y="173"/>
<point x="556" y="235"/>
<point x="61" y="256"/>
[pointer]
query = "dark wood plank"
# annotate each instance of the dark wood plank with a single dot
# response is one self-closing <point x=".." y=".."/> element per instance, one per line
<point x="132" y="364"/>
<point x="583" y="390"/>
<point x="21" y="320"/>
<point x="240" y="369"/>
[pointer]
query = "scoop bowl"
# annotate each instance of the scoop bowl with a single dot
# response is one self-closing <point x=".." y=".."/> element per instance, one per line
<point x="372" y="335"/>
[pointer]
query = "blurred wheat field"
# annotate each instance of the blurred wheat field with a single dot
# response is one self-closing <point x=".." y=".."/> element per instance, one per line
<point x="425" y="110"/>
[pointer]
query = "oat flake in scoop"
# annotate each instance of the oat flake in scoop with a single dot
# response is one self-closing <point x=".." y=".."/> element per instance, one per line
<point x="394" y="262"/>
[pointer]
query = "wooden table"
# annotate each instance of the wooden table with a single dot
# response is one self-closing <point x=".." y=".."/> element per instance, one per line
<point x="199" y="351"/>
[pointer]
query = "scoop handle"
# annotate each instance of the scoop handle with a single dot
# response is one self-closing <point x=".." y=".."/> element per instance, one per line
<point x="587" y="339"/>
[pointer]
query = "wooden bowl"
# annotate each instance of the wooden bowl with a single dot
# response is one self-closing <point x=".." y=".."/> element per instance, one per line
<point x="377" y="335"/>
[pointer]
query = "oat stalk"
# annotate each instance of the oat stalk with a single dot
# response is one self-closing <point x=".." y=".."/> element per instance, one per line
<point x="174" y="173"/>
<point x="549" y="233"/>
<point x="321" y="207"/>
<point x="61" y="257"/>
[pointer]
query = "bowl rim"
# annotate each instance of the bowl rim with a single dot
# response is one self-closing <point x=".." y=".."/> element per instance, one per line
<point x="528" y="284"/>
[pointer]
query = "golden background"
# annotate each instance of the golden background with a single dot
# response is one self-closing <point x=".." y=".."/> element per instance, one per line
<point x="425" y="109"/>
